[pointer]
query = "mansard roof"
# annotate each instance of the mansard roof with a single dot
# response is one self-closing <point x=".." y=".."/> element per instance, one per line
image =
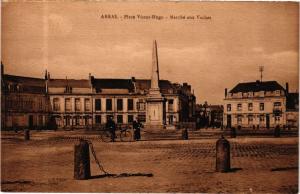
<point x="257" y="86"/>
<point x="23" y="80"/>
<point x="74" y="83"/>
<point x="25" y="84"/>
<point x="113" y="84"/>
<point x="145" y="84"/>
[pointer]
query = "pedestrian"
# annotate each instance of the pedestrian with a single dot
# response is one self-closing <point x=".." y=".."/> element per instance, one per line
<point x="137" y="129"/>
<point x="111" y="126"/>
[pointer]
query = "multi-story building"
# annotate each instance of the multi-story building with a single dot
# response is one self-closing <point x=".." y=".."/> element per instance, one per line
<point x="259" y="104"/>
<point x="24" y="102"/>
<point x="90" y="102"/>
<point x="76" y="103"/>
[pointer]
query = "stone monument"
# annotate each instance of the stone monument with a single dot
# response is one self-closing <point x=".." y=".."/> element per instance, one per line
<point x="155" y="109"/>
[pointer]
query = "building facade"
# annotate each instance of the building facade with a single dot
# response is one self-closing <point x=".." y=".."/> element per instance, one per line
<point x="255" y="104"/>
<point x="24" y="102"/>
<point x="88" y="103"/>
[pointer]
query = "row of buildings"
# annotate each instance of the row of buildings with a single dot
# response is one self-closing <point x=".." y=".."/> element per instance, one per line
<point x="76" y="103"/>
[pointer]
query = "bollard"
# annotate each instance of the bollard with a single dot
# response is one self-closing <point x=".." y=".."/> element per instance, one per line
<point x="185" y="135"/>
<point x="26" y="134"/>
<point x="82" y="169"/>
<point x="277" y="131"/>
<point x="222" y="155"/>
<point x="233" y="132"/>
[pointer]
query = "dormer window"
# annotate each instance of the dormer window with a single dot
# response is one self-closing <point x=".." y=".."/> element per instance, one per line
<point x="68" y="89"/>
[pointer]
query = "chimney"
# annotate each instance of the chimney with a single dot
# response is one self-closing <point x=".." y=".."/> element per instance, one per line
<point x="287" y="87"/>
<point x="225" y="92"/>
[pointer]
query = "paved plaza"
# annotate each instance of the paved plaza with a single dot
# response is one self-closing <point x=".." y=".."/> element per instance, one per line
<point x="45" y="164"/>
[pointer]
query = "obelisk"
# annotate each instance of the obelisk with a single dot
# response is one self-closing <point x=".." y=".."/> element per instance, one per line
<point x="154" y="101"/>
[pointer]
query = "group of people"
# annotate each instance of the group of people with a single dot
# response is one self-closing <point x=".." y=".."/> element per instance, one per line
<point x="136" y="125"/>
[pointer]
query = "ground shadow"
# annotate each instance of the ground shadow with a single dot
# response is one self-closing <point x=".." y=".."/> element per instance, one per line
<point x="121" y="175"/>
<point x="235" y="169"/>
<point x="285" y="168"/>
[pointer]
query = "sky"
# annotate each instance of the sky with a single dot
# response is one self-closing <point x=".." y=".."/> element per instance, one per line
<point x="225" y="47"/>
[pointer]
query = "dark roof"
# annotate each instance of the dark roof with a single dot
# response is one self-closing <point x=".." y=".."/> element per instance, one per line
<point x="292" y="101"/>
<point x="256" y="87"/>
<point x="24" y="80"/>
<point x="145" y="84"/>
<point x="25" y="84"/>
<point x="74" y="83"/>
<point x="113" y="84"/>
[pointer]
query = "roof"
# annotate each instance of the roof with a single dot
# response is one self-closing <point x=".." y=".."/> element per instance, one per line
<point x="25" y="84"/>
<point x="74" y="83"/>
<point x="24" y="80"/>
<point x="113" y="84"/>
<point x="145" y="84"/>
<point x="256" y="87"/>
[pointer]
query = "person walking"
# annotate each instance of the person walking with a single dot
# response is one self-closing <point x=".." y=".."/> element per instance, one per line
<point x="111" y="126"/>
<point x="137" y="129"/>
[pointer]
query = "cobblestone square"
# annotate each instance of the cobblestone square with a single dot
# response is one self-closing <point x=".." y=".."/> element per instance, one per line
<point x="45" y="164"/>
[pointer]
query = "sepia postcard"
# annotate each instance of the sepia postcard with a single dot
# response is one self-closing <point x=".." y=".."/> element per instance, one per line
<point x="149" y="96"/>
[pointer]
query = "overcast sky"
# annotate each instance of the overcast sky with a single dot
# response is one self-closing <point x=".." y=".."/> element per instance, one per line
<point x="71" y="39"/>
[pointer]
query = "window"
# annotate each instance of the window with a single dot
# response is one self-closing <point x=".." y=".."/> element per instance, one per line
<point x="68" y="89"/>
<point x="277" y="104"/>
<point x="119" y="104"/>
<point x="239" y="119"/>
<point x="97" y="104"/>
<point x="228" y="107"/>
<point x="250" y="119"/>
<point x="108" y="104"/>
<point x="87" y="104"/>
<point x="108" y="117"/>
<point x="40" y="123"/>
<point x="261" y="106"/>
<point x="250" y="106"/>
<point x="119" y="118"/>
<point x="261" y="118"/>
<point x="130" y="104"/>
<point x="170" y="105"/>
<point x="77" y="104"/>
<point x="140" y="104"/>
<point x="277" y="119"/>
<point x="56" y="105"/>
<point x="142" y="117"/>
<point x="239" y="107"/>
<point x="68" y="105"/>
<point x="98" y="119"/>
<point x="130" y="118"/>
<point x="77" y="120"/>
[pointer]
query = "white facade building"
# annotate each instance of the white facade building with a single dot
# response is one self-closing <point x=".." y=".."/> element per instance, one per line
<point x="255" y="104"/>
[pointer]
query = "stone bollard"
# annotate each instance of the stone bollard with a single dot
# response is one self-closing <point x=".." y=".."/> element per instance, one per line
<point x="185" y="134"/>
<point x="233" y="132"/>
<point x="26" y="134"/>
<point x="82" y="169"/>
<point x="277" y="131"/>
<point x="222" y="155"/>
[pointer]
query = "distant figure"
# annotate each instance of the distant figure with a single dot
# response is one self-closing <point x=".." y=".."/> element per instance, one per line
<point x="111" y="126"/>
<point x="137" y="129"/>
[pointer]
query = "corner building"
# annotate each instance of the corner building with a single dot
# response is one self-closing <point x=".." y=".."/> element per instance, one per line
<point x="255" y="104"/>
